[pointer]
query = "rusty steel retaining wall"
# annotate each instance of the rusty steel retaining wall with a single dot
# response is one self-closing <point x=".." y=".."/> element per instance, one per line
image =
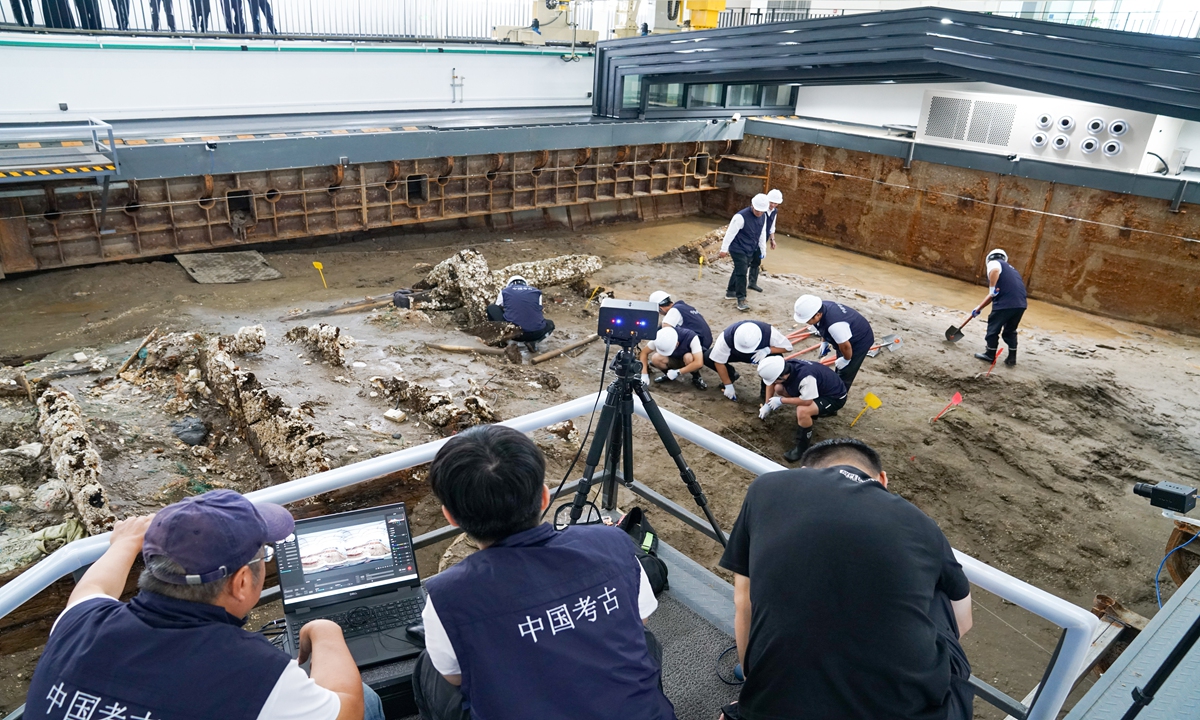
<point x="42" y="229"/>
<point x="1122" y="256"/>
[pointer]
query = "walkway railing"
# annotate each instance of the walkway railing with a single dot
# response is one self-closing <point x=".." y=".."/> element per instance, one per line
<point x="1065" y="665"/>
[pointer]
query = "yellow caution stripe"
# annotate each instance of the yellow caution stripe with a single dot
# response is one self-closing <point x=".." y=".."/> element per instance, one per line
<point x="58" y="171"/>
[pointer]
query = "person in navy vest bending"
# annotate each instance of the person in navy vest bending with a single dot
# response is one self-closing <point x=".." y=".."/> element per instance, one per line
<point x="538" y="623"/>
<point x="748" y="341"/>
<point x="843" y="329"/>
<point x="743" y="243"/>
<point x="677" y="313"/>
<point x="1006" y="293"/>
<point x="521" y="304"/>
<point x="675" y="351"/>
<point x="812" y="388"/>
<point x="177" y="651"/>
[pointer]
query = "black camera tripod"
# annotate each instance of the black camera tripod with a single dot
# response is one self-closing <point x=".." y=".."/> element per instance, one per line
<point x="615" y="431"/>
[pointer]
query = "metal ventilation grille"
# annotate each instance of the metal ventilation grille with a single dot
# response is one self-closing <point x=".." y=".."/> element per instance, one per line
<point x="948" y="117"/>
<point x="991" y="123"/>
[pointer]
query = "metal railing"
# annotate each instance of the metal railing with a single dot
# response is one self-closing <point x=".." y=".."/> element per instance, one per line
<point x="1065" y="665"/>
<point x="1176" y="24"/>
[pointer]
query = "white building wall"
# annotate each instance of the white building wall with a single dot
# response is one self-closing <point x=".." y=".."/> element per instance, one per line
<point x="879" y="104"/>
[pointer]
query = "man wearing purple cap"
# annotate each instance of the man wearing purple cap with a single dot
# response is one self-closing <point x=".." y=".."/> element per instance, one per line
<point x="177" y="650"/>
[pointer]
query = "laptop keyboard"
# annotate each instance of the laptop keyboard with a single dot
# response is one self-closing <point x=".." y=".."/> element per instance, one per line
<point x="366" y="620"/>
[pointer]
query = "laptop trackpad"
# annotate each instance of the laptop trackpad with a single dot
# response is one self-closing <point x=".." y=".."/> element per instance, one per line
<point x="363" y="649"/>
<point x="396" y="639"/>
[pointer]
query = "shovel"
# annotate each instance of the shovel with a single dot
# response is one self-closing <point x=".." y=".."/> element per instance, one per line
<point x="798" y="353"/>
<point x="954" y="334"/>
<point x="872" y="401"/>
<point x="891" y="343"/>
<point x="954" y="401"/>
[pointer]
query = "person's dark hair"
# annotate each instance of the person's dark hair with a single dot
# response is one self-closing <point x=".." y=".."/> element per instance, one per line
<point x="490" y="479"/>
<point x="843" y="451"/>
<point x="205" y="593"/>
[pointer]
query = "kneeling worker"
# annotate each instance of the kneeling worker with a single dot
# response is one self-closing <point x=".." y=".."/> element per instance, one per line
<point x="674" y="351"/>
<point x="521" y="304"/>
<point x="1006" y="293"/>
<point x="677" y="313"/>
<point x="538" y="623"/>
<point x="748" y="341"/>
<point x="814" y="390"/>
<point x="844" y="330"/>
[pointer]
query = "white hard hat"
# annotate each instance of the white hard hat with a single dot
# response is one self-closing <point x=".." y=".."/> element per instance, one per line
<point x="515" y="278"/>
<point x="805" y="308"/>
<point x="770" y="368"/>
<point x="747" y="337"/>
<point x="666" y="340"/>
<point x="658" y="297"/>
<point x="1003" y="255"/>
<point x="775" y="196"/>
<point x="760" y="203"/>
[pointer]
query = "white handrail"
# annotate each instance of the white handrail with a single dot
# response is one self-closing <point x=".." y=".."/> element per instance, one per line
<point x="1078" y="623"/>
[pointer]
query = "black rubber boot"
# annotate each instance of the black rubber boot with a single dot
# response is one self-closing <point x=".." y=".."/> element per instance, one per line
<point x="698" y="382"/>
<point x="1011" y="358"/>
<point x="803" y="437"/>
<point x="988" y="355"/>
<point x="755" y="288"/>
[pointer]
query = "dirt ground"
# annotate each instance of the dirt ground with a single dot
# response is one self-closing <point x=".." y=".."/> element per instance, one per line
<point x="1031" y="474"/>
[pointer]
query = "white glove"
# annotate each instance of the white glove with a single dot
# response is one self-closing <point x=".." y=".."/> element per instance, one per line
<point x="825" y="348"/>
<point x="841" y="363"/>
<point x="672" y="374"/>
<point x="760" y="354"/>
<point x="770" y="406"/>
<point x="729" y="392"/>
<point x="645" y="379"/>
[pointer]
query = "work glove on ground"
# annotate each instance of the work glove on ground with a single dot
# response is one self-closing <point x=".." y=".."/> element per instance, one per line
<point x="646" y="379"/>
<point x="760" y="354"/>
<point x="841" y="363"/>
<point x="672" y="374"/>
<point x="729" y="392"/>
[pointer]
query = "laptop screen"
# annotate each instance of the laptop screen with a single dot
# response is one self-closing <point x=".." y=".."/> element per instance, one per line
<point x="343" y="554"/>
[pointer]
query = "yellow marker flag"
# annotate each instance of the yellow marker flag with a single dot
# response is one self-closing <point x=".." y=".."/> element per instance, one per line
<point x="872" y="402"/>
<point x="321" y="269"/>
<point x="700" y="272"/>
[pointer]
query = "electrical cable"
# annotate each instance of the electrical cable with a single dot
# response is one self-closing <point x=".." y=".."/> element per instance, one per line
<point x="1161" y="565"/>
<point x="721" y="657"/>
<point x="1166" y="168"/>
<point x="586" y="433"/>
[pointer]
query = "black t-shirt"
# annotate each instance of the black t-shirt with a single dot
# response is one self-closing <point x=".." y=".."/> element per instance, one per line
<point x="843" y="576"/>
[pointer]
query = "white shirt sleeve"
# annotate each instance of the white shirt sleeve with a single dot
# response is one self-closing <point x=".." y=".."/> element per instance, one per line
<point x="647" y="603"/>
<point x="735" y="225"/>
<point x="80" y="601"/>
<point x="808" y="388"/>
<point x="994" y="265"/>
<point x="672" y="318"/>
<point x="437" y="642"/>
<point x="696" y="348"/>
<point x="840" y="332"/>
<point x="719" y="353"/>
<point x="500" y="299"/>
<point x="297" y="697"/>
<point x="774" y="215"/>
<point x="780" y="340"/>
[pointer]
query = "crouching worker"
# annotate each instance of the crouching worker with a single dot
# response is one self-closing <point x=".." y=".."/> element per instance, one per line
<point x="538" y="623"/>
<point x="521" y="304"/>
<point x="813" y="389"/>
<point x="675" y="351"/>
<point x="178" y="650"/>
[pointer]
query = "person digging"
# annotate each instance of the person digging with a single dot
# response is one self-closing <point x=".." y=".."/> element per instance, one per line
<point x="812" y="388"/>
<point x="1006" y="294"/>
<point x="675" y="351"/>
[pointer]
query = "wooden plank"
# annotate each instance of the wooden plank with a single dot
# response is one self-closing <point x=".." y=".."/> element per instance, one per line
<point x="16" y="254"/>
<point x="1105" y="635"/>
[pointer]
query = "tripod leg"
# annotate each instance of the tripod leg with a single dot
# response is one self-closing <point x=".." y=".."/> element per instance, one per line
<point x="672" y="446"/>
<point x="608" y="419"/>
<point x="616" y="443"/>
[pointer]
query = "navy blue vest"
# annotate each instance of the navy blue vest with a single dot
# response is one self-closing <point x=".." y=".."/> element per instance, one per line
<point x="174" y="659"/>
<point x="862" y="337"/>
<point x="1011" y="287"/>
<point x="694" y="321"/>
<point x="746" y="241"/>
<point x="771" y="216"/>
<point x="737" y="356"/>
<point x="545" y="624"/>
<point x="523" y="307"/>
<point x="829" y="385"/>
<point x="685" y="342"/>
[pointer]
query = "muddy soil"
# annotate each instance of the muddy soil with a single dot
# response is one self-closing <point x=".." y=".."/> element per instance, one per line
<point x="1032" y="473"/>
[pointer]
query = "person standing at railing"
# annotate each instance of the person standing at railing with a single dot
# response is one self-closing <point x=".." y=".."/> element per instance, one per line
<point x="121" y="8"/>
<point x="848" y="600"/>
<point x="200" y="10"/>
<point x="264" y="7"/>
<point x="166" y="5"/>
<point x="23" y="9"/>
<point x="57" y="14"/>
<point x="89" y="14"/>
<point x="235" y="20"/>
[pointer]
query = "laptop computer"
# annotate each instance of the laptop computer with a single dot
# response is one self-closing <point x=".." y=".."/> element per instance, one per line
<point x="359" y="570"/>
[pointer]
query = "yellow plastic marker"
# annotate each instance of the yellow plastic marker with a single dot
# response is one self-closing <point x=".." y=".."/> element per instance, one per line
<point x="320" y="268"/>
<point x="872" y="402"/>
<point x="700" y="273"/>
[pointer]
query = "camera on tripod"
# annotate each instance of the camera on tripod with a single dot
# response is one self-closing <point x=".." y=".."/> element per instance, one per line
<point x="627" y="322"/>
<point x="1168" y="495"/>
